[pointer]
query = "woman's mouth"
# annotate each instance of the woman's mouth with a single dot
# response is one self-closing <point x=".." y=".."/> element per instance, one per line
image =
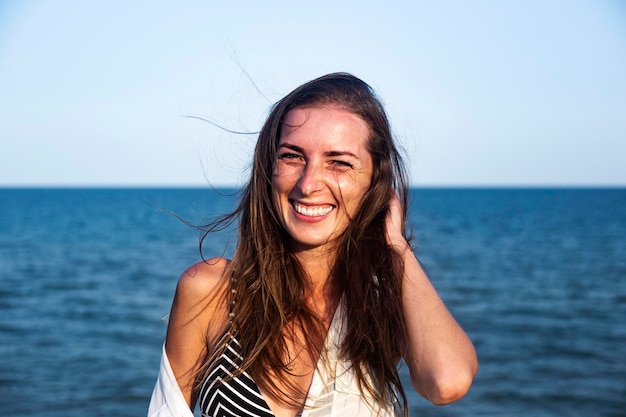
<point x="312" y="211"/>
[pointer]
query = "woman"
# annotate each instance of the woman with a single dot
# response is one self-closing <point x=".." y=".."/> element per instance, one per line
<point x="324" y="295"/>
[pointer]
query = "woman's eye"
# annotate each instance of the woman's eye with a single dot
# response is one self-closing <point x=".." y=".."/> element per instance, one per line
<point x="289" y="156"/>
<point x="342" y="164"/>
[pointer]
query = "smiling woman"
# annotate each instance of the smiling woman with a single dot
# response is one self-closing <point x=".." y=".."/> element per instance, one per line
<point x="324" y="295"/>
<point x="322" y="172"/>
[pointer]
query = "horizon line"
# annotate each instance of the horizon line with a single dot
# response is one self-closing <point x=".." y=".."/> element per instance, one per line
<point x="235" y="186"/>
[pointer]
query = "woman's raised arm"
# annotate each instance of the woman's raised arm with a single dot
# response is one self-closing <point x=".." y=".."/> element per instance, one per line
<point x="440" y="356"/>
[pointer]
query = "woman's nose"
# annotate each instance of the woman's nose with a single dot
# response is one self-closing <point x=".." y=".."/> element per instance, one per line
<point x="309" y="179"/>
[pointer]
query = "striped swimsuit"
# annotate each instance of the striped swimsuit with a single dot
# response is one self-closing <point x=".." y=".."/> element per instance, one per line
<point x="237" y="396"/>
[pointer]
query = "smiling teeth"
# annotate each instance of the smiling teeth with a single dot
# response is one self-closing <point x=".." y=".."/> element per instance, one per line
<point x="312" y="212"/>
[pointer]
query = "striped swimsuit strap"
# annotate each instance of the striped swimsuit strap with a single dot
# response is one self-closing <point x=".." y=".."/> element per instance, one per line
<point x="222" y="395"/>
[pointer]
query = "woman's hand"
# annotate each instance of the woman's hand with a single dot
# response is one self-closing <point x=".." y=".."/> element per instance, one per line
<point x="395" y="224"/>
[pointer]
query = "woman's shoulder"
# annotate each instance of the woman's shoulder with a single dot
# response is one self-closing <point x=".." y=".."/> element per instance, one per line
<point x="200" y="303"/>
<point x="201" y="295"/>
<point x="205" y="277"/>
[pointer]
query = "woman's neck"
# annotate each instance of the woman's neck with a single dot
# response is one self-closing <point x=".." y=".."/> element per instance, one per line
<point x="317" y="265"/>
<point x="324" y="290"/>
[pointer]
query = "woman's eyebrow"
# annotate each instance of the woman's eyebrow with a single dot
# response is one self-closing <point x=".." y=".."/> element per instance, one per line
<point x="341" y="153"/>
<point x="292" y="147"/>
<point x="297" y="148"/>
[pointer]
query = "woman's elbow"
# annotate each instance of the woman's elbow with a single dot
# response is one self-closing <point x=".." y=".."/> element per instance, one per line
<point x="446" y="389"/>
<point x="450" y="391"/>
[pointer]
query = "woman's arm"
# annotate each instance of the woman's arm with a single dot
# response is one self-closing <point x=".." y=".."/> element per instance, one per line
<point x="441" y="358"/>
<point x="199" y="312"/>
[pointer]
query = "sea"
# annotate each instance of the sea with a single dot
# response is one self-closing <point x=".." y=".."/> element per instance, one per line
<point x="537" y="278"/>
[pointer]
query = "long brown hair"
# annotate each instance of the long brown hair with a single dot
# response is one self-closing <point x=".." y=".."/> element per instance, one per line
<point x="269" y="285"/>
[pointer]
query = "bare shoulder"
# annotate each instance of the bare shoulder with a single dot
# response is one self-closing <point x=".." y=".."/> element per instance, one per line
<point x="203" y="279"/>
<point x="199" y="309"/>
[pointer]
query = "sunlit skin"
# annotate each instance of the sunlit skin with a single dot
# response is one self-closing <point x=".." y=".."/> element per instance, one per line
<point x="322" y="172"/>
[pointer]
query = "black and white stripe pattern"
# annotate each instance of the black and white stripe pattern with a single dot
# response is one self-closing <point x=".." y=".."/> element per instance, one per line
<point x="223" y="395"/>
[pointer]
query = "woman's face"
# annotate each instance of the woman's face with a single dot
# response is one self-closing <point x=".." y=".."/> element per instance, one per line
<point x="322" y="171"/>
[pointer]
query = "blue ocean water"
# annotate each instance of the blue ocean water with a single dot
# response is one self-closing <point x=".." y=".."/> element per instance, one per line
<point x="535" y="276"/>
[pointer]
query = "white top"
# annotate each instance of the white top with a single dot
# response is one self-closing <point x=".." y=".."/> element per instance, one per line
<point x="167" y="399"/>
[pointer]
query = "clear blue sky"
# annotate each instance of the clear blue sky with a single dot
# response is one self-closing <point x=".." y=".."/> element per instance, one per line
<point x="480" y="92"/>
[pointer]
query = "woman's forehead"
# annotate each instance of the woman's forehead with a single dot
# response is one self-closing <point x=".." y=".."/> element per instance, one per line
<point x="299" y="115"/>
